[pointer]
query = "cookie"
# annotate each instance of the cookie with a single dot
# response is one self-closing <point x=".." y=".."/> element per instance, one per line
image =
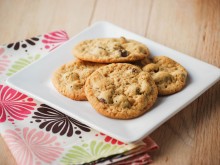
<point x="169" y="76"/>
<point x="121" y="91"/>
<point x="70" y="78"/>
<point x="143" y="62"/>
<point x="110" y="50"/>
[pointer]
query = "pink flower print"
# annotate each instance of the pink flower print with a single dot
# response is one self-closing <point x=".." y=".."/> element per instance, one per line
<point x="111" y="140"/>
<point x="4" y="62"/>
<point x="1" y="50"/>
<point x="30" y="146"/>
<point x="54" y="39"/>
<point x="14" y="105"/>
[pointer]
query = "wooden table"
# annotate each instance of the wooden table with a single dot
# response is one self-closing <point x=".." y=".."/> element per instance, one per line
<point x="189" y="26"/>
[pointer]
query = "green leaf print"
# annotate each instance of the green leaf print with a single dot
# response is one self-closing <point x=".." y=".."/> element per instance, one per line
<point x="90" y="152"/>
<point x="21" y="63"/>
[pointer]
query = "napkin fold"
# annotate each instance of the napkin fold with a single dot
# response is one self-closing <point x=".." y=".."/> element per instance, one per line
<point x="38" y="134"/>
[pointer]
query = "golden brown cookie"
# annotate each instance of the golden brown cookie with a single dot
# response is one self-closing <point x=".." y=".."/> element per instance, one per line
<point x="110" y="50"/>
<point x="121" y="91"/>
<point x="169" y="76"/>
<point x="70" y="78"/>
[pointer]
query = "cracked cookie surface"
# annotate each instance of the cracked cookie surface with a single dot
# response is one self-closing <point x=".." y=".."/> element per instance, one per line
<point x="169" y="76"/>
<point x="70" y="78"/>
<point x="110" y="50"/>
<point x="121" y="91"/>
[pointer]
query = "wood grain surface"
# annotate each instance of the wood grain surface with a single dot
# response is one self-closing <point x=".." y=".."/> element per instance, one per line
<point x="192" y="137"/>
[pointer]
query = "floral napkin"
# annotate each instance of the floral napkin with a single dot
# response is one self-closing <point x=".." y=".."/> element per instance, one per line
<point x="38" y="134"/>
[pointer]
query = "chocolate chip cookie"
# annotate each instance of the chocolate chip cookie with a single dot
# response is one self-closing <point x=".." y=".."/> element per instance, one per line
<point x="169" y="76"/>
<point x="110" y="50"/>
<point x="121" y="91"/>
<point x="70" y="78"/>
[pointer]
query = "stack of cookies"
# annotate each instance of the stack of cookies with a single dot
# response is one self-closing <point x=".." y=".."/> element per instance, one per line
<point x="118" y="77"/>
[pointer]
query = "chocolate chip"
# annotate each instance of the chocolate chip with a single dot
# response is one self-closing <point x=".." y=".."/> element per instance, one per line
<point x="138" y="92"/>
<point x="123" y="52"/>
<point x="101" y="48"/>
<point x="156" y="70"/>
<point x="102" y="100"/>
<point x="134" y="70"/>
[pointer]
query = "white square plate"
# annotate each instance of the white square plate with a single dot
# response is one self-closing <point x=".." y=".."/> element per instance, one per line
<point x="34" y="81"/>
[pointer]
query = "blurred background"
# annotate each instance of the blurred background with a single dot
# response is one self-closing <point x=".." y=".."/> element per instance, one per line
<point x="179" y="24"/>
